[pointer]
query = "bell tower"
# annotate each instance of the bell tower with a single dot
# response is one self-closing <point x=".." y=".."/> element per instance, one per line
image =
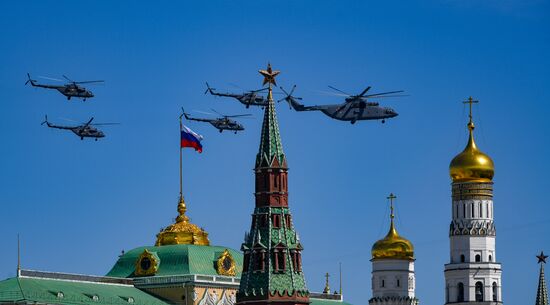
<point x="473" y="275"/>
<point x="272" y="267"/>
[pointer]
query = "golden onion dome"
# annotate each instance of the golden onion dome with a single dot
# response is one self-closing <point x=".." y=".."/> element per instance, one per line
<point x="393" y="246"/>
<point x="182" y="232"/>
<point x="471" y="165"/>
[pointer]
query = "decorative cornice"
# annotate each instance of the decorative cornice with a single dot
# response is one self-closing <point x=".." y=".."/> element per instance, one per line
<point x="472" y="227"/>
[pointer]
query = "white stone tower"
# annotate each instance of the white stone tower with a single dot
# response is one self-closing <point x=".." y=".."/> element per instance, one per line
<point x="473" y="276"/>
<point x="393" y="268"/>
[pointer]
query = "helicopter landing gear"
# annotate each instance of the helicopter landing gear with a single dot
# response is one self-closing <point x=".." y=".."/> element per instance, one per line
<point x="353" y="122"/>
<point x="96" y="139"/>
<point x="81" y="138"/>
<point x="383" y="121"/>
<point x="235" y="132"/>
<point x="68" y="98"/>
<point x="221" y="130"/>
<point x="83" y="100"/>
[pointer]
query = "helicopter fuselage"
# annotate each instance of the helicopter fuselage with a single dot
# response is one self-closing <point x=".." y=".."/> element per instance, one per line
<point x="75" y="91"/>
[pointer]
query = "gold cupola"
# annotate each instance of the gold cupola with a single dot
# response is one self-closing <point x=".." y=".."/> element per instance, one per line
<point x="471" y="165"/>
<point x="182" y="232"/>
<point x="393" y="246"/>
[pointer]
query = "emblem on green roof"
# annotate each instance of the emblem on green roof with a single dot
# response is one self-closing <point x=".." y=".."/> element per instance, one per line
<point x="147" y="263"/>
<point x="226" y="264"/>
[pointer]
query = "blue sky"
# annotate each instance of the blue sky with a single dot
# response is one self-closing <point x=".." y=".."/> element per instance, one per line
<point x="77" y="204"/>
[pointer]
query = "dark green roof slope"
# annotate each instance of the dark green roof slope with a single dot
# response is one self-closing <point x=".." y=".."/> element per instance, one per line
<point x="55" y="291"/>
<point x="270" y="142"/>
<point x="177" y="260"/>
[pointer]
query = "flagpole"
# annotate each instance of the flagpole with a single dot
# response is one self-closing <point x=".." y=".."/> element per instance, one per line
<point x="181" y="180"/>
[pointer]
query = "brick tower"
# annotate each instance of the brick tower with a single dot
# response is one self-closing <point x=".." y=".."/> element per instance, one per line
<point x="272" y="267"/>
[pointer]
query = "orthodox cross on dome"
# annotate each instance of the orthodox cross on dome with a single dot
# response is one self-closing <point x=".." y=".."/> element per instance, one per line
<point x="269" y="75"/>
<point x="470" y="101"/>
<point x="391" y="197"/>
<point x="327" y="287"/>
<point x="542" y="258"/>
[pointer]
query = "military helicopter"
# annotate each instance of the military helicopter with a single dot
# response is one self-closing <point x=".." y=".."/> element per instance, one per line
<point x="222" y="123"/>
<point x="86" y="130"/>
<point x="70" y="89"/>
<point x="355" y="108"/>
<point x="248" y="98"/>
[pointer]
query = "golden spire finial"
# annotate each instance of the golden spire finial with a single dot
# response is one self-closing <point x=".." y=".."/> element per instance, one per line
<point x="327" y="287"/>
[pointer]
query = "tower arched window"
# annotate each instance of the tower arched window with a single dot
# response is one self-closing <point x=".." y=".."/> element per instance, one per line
<point x="495" y="296"/>
<point x="480" y="210"/>
<point x="463" y="210"/>
<point x="382" y="284"/>
<point x="478" y="258"/>
<point x="462" y="258"/>
<point x="473" y="211"/>
<point x="490" y="258"/>
<point x="460" y="293"/>
<point x="479" y="291"/>
<point x="447" y="293"/>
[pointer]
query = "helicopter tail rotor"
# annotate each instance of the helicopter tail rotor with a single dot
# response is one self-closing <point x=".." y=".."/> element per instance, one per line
<point x="289" y="98"/>
<point x="30" y="80"/>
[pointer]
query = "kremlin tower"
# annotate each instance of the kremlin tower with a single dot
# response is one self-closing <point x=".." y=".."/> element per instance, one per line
<point x="393" y="280"/>
<point x="272" y="267"/>
<point x="473" y="275"/>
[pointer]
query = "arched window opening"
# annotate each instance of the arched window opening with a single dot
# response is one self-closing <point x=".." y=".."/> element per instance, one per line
<point x="460" y="294"/>
<point x="276" y="219"/>
<point x="490" y="258"/>
<point x="447" y="293"/>
<point x="462" y="258"/>
<point x="398" y="283"/>
<point x="463" y="210"/>
<point x="246" y="262"/>
<point x="473" y="209"/>
<point x="481" y="210"/>
<point x="479" y="292"/>
<point x="478" y="258"/>
<point x="382" y="284"/>
<point x="495" y="297"/>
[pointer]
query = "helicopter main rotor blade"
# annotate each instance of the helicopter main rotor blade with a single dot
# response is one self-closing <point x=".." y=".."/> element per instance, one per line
<point x="364" y="91"/>
<point x="65" y="77"/>
<point x="90" y="81"/>
<point x="204" y="112"/>
<point x="100" y="124"/>
<point x="51" y="78"/>
<point x="237" y="115"/>
<point x="347" y="94"/>
<point x="383" y="93"/>
<point x="384" y="96"/>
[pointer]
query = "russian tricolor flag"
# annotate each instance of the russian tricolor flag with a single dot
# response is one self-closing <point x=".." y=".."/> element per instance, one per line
<point x="189" y="138"/>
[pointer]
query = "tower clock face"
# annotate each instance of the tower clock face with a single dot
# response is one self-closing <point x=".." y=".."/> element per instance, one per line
<point x="145" y="263"/>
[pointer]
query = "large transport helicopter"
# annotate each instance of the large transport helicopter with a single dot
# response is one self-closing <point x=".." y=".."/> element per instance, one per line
<point x="86" y="130"/>
<point x="69" y="89"/>
<point x="222" y="123"/>
<point x="248" y="98"/>
<point x="355" y="107"/>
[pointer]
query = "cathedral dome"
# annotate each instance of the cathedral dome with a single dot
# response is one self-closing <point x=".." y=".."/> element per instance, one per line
<point x="471" y="165"/>
<point x="393" y="246"/>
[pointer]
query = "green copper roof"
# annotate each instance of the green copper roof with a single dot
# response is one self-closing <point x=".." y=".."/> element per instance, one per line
<point x="270" y="142"/>
<point x="54" y="291"/>
<point x="542" y="291"/>
<point x="315" y="301"/>
<point x="177" y="260"/>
